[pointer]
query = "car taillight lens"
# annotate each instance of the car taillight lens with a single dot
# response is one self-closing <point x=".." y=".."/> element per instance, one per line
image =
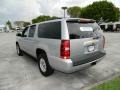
<point x="65" y="49"/>
<point x="103" y="42"/>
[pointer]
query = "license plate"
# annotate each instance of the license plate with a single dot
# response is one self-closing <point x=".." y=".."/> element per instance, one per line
<point x="91" y="48"/>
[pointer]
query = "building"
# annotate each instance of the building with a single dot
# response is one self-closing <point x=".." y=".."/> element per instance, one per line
<point x="19" y="24"/>
<point x="2" y="28"/>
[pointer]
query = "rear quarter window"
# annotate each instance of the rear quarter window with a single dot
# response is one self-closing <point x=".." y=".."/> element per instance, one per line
<point x="51" y="30"/>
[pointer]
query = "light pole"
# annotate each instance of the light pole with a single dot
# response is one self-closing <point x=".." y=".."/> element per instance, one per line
<point x="64" y="8"/>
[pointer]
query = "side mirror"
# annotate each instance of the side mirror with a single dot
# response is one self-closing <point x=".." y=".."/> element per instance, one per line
<point x="19" y="34"/>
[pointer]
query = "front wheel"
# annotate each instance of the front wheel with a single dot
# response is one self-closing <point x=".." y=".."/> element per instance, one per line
<point x="44" y="67"/>
<point x="19" y="51"/>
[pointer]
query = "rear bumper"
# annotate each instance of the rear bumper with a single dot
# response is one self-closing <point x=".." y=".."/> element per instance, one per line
<point x="67" y="66"/>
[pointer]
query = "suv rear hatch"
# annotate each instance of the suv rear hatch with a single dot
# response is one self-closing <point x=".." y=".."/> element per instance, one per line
<point x="86" y="41"/>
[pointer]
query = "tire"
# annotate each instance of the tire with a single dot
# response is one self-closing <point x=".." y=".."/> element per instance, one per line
<point x="44" y="66"/>
<point x="19" y="51"/>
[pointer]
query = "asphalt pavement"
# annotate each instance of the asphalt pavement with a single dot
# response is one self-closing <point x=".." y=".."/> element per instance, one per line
<point x="22" y="73"/>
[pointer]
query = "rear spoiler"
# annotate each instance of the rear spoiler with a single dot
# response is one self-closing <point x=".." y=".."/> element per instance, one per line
<point x="81" y="21"/>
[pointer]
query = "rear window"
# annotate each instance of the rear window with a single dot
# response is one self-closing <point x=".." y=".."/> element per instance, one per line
<point x="82" y="30"/>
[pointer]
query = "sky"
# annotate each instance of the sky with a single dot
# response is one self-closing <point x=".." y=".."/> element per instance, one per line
<point x="15" y="10"/>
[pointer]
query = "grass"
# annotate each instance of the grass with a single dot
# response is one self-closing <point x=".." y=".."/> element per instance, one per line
<point x="110" y="85"/>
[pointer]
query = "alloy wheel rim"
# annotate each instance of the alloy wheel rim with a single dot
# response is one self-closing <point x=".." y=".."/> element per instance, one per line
<point x="18" y="50"/>
<point x="42" y="65"/>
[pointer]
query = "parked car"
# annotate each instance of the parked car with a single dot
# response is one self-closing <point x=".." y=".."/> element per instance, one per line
<point x="66" y="45"/>
<point x="116" y="26"/>
<point x="104" y="26"/>
<point x="110" y="27"/>
<point x="18" y="29"/>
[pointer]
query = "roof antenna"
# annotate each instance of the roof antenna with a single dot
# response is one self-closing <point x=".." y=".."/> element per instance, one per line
<point x="64" y="8"/>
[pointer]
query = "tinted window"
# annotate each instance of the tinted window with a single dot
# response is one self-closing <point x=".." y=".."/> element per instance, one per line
<point x="82" y="30"/>
<point x="102" y="27"/>
<point x="50" y="30"/>
<point x="110" y="27"/>
<point x="118" y="25"/>
<point x="25" y="32"/>
<point x="32" y="31"/>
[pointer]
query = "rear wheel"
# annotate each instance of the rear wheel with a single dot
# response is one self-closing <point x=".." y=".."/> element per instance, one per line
<point x="19" y="51"/>
<point x="44" y="66"/>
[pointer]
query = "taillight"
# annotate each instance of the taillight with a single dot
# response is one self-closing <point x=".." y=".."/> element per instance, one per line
<point x="65" y="49"/>
<point x="103" y="42"/>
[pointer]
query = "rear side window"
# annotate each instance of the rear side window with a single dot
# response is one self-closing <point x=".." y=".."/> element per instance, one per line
<point x="82" y="30"/>
<point x="50" y="30"/>
<point x="32" y="31"/>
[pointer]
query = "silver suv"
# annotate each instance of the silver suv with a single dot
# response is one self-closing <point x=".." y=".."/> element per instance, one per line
<point x="66" y="45"/>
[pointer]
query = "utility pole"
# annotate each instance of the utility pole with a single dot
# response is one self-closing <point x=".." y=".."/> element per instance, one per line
<point x="64" y="8"/>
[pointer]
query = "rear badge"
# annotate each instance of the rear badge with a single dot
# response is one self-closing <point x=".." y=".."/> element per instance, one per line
<point x="91" y="48"/>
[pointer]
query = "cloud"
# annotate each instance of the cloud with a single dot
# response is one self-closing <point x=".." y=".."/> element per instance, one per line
<point x="27" y="9"/>
<point x="18" y="10"/>
<point x="115" y="2"/>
